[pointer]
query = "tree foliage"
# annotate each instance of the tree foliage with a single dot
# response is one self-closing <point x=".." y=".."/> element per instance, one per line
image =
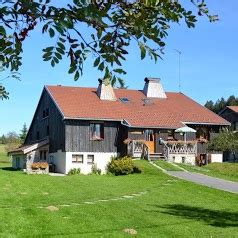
<point x="221" y="103"/>
<point x="112" y="25"/>
<point x="23" y="133"/>
<point x="225" y="141"/>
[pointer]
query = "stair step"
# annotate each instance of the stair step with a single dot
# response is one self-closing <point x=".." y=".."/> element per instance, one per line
<point x="157" y="156"/>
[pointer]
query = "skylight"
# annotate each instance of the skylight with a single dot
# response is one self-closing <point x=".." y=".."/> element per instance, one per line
<point x="148" y="101"/>
<point x="124" y="100"/>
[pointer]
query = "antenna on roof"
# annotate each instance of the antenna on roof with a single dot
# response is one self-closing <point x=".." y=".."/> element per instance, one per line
<point x="179" y="62"/>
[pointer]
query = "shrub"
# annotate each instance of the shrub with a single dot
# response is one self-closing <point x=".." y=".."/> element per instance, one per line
<point x="137" y="170"/>
<point x="122" y="166"/>
<point x="95" y="170"/>
<point x="74" y="171"/>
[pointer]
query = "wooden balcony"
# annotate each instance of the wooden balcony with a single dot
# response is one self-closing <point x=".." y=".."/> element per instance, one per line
<point x="181" y="147"/>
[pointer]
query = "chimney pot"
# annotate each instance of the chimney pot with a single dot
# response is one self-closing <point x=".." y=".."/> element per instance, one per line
<point x="153" y="88"/>
<point x="105" y="91"/>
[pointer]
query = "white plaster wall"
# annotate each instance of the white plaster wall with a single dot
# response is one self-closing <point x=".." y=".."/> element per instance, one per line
<point x="59" y="159"/>
<point x="178" y="158"/>
<point x="100" y="160"/>
<point x="216" y="158"/>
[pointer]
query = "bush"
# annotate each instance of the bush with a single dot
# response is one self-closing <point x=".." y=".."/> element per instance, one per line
<point x="137" y="170"/>
<point x="74" y="171"/>
<point x="95" y="170"/>
<point x="122" y="166"/>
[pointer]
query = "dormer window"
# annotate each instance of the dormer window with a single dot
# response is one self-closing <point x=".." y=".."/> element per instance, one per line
<point x="45" y="113"/>
<point x="96" y="131"/>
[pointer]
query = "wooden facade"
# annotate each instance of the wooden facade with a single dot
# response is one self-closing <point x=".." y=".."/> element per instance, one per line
<point x="47" y="123"/>
<point x="77" y="137"/>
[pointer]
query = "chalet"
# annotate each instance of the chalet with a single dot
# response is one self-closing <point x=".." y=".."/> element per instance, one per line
<point x="75" y="127"/>
<point x="230" y="113"/>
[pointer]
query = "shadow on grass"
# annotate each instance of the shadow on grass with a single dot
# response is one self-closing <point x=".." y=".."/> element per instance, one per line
<point x="9" y="169"/>
<point x="218" y="218"/>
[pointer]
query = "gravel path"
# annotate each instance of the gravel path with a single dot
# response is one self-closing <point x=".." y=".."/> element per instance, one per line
<point x="207" y="181"/>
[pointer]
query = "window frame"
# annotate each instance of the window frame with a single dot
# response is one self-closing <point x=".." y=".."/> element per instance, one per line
<point x="92" y="158"/>
<point x="101" y="131"/>
<point x="77" y="156"/>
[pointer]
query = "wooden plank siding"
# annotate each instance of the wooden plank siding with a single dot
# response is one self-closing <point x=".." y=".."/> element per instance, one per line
<point x="54" y="121"/>
<point x="77" y="137"/>
<point x="230" y="116"/>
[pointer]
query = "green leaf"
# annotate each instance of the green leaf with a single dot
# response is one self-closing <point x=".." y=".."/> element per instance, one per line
<point x="2" y="31"/>
<point x="51" y="32"/>
<point x="48" y="49"/>
<point x="96" y="62"/>
<point x="52" y="63"/>
<point x="143" y="51"/>
<point x="59" y="56"/>
<point x="47" y="55"/>
<point x="119" y="71"/>
<point x="76" y="76"/>
<point x="61" y="51"/>
<point x="72" y="69"/>
<point x="101" y="66"/>
<point x="74" y="46"/>
<point x="61" y="45"/>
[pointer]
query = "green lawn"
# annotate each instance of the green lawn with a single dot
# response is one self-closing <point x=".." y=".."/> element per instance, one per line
<point x="167" y="166"/>
<point x="227" y="171"/>
<point x="94" y="206"/>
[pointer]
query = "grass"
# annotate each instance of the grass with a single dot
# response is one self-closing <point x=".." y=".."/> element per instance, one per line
<point x="4" y="159"/>
<point x="167" y="166"/>
<point x="168" y="207"/>
<point x="228" y="171"/>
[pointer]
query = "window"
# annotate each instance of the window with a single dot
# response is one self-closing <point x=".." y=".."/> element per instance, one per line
<point x="77" y="159"/>
<point x="45" y="113"/>
<point x="43" y="155"/>
<point x="90" y="159"/>
<point x="149" y="135"/>
<point x="96" y="131"/>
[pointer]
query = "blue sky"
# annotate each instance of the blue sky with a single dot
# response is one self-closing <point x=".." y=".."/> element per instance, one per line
<point x="209" y="66"/>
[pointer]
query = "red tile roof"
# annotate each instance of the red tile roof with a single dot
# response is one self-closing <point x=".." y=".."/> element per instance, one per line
<point x="76" y="102"/>
<point x="233" y="108"/>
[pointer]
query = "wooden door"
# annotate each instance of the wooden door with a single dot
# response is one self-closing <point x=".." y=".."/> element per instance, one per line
<point x="150" y="140"/>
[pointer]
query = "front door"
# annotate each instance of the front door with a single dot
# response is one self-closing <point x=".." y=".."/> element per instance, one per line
<point x="17" y="163"/>
<point x="150" y="140"/>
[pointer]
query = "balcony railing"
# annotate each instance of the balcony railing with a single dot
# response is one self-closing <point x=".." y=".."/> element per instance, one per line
<point x="180" y="147"/>
<point x="138" y="149"/>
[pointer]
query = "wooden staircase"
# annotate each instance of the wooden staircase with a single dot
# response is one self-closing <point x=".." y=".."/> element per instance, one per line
<point x="156" y="156"/>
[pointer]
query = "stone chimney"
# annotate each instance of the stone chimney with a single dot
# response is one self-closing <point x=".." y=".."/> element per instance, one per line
<point x="153" y="88"/>
<point x="105" y="91"/>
